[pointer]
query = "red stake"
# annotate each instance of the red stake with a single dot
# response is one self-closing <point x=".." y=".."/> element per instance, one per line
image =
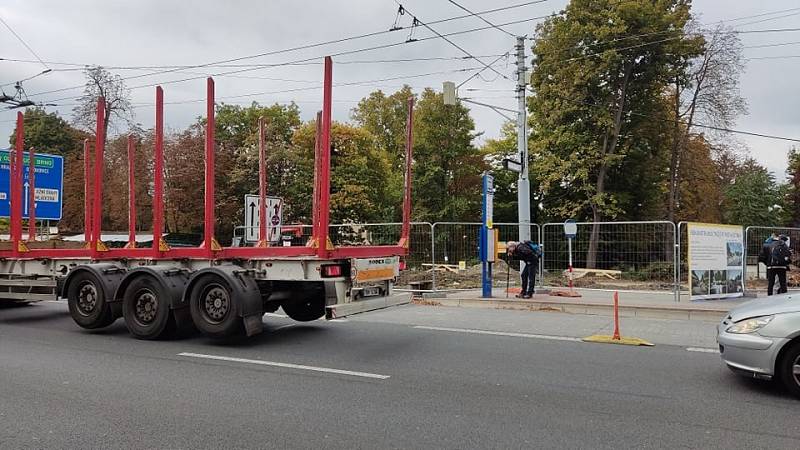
<point x="616" y="336"/>
<point x="87" y="197"/>
<point x="16" y="184"/>
<point x="158" y="179"/>
<point x="131" y="195"/>
<point x="209" y="243"/>
<point x="262" y="186"/>
<point x="406" y="230"/>
<point x="316" y="189"/>
<point x="99" y="150"/>
<point x="325" y="162"/>
<point x="31" y="196"/>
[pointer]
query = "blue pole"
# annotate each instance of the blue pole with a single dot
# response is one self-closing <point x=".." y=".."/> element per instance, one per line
<point x="486" y="266"/>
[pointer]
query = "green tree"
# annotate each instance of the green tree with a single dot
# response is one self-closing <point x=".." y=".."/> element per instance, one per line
<point x="447" y="171"/>
<point x="49" y="133"/>
<point x="754" y="198"/>
<point x="595" y="94"/>
<point x="505" y="181"/>
<point x="793" y="187"/>
<point x="385" y="117"/>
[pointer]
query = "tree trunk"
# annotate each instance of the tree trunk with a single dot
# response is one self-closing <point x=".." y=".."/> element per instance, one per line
<point x="608" y="148"/>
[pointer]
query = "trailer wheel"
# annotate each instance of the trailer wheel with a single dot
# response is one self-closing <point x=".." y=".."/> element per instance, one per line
<point x="87" y="302"/>
<point x="215" y="311"/>
<point x="145" y="307"/>
<point x="310" y="307"/>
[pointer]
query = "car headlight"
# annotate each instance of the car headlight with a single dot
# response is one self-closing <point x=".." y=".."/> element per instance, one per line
<point x="749" y="325"/>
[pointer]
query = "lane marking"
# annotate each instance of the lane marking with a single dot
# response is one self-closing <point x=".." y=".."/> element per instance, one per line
<point x="282" y="316"/>
<point x="702" y="350"/>
<point x="286" y="365"/>
<point x="501" y="333"/>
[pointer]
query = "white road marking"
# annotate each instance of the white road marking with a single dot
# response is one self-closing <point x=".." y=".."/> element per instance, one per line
<point x="501" y="333"/>
<point x="338" y="320"/>
<point x="284" y="326"/>
<point x="282" y="316"/>
<point x="286" y="365"/>
<point x="702" y="350"/>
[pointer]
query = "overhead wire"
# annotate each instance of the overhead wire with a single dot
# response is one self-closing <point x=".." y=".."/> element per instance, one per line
<point x="483" y="18"/>
<point x="19" y="38"/>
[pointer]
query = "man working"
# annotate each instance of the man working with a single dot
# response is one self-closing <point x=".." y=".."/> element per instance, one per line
<point x="777" y="256"/>
<point x="529" y="253"/>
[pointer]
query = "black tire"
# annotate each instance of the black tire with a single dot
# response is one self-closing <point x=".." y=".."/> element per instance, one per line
<point x="789" y="369"/>
<point x="214" y="308"/>
<point x="145" y="307"/>
<point x="310" y="306"/>
<point x="87" y="302"/>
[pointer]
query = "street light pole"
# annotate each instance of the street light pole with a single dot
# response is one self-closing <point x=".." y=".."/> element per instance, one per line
<point x="523" y="184"/>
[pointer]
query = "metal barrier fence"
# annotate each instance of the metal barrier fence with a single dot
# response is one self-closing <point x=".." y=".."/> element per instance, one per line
<point x="633" y="256"/>
<point x="754" y="237"/>
<point x="456" y="255"/>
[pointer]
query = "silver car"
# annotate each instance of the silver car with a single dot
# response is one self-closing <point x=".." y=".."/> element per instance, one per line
<point x="761" y="339"/>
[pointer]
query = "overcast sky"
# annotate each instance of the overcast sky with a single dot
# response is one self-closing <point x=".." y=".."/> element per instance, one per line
<point x="161" y="32"/>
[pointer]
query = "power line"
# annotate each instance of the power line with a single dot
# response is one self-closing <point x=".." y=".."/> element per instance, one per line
<point x="443" y="37"/>
<point x="19" y="38"/>
<point x="314" y="58"/>
<point x="484" y="19"/>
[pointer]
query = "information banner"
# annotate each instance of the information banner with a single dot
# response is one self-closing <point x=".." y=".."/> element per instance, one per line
<point x="716" y="261"/>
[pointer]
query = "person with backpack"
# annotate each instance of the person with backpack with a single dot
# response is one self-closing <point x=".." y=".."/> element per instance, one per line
<point x="777" y="257"/>
<point x="529" y="253"/>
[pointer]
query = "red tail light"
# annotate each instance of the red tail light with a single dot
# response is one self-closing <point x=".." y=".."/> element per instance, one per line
<point x="331" y="271"/>
<point x="402" y="265"/>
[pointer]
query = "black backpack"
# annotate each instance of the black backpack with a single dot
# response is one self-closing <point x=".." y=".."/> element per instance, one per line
<point x="780" y="255"/>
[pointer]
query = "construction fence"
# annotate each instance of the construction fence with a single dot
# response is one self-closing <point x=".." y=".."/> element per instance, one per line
<point x="644" y="256"/>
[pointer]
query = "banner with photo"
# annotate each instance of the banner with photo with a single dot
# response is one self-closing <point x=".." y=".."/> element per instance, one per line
<point x="716" y="261"/>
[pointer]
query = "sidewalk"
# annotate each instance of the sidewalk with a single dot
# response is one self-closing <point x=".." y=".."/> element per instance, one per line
<point x="652" y="305"/>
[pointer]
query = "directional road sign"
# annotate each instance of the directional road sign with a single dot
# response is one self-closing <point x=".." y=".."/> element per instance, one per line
<point x="48" y="181"/>
<point x="274" y="218"/>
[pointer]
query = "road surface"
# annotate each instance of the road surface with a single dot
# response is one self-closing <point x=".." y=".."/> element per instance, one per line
<point x="409" y="377"/>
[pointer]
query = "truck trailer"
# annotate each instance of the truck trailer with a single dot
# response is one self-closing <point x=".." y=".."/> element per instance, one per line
<point x="221" y="291"/>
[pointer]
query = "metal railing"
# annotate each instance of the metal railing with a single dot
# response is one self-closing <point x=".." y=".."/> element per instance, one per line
<point x="754" y="237"/>
<point x="627" y="256"/>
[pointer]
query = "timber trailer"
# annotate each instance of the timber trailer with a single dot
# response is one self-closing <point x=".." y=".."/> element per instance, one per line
<point x="222" y="291"/>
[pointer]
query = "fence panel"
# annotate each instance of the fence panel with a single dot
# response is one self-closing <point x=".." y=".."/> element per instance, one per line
<point x="629" y="256"/>
<point x="755" y="273"/>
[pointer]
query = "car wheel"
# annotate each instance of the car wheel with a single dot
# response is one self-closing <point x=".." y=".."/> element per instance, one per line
<point x="311" y="305"/>
<point x="789" y="369"/>
<point x="214" y="309"/>
<point x="145" y="307"/>
<point x="87" y="302"/>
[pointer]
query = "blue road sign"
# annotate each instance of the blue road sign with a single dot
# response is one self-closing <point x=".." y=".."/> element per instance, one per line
<point x="48" y="182"/>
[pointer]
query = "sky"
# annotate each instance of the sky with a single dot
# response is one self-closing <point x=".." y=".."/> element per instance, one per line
<point x="125" y="34"/>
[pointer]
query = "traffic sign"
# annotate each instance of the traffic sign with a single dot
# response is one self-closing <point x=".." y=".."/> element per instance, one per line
<point x="252" y="203"/>
<point x="570" y="229"/>
<point x="48" y="182"/>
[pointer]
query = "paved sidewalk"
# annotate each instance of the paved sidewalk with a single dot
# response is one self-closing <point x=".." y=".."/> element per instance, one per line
<point x="631" y="304"/>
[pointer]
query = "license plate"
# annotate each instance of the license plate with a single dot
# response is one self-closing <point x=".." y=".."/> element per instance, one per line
<point x="371" y="292"/>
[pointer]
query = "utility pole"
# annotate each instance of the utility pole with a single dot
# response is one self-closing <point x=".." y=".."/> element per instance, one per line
<point x="523" y="184"/>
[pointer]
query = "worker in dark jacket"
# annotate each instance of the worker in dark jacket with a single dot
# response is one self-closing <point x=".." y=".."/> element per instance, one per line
<point x="778" y="257"/>
<point x="529" y="253"/>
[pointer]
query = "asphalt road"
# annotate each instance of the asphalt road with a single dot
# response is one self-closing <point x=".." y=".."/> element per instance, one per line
<point x="411" y="377"/>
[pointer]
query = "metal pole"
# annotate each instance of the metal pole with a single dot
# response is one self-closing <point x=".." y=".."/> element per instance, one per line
<point x="131" y="195"/>
<point x="262" y="186"/>
<point x="209" y="243"/>
<point x="87" y="198"/>
<point x="99" y="150"/>
<point x="325" y="161"/>
<point x="158" y="178"/>
<point x="569" y="247"/>
<point x="523" y="184"/>
<point x="405" y="233"/>
<point x="16" y="184"/>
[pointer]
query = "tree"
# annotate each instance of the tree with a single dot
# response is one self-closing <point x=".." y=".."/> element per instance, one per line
<point x="793" y="187"/>
<point x="385" y="117"/>
<point x="706" y="88"/>
<point x="700" y="189"/>
<point x="505" y="181"/>
<point x="102" y="83"/>
<point x="447" y="171"/>
<point x="754" y="198"/>
<point x="49" y="133"/>
<point x="586" y="77"/>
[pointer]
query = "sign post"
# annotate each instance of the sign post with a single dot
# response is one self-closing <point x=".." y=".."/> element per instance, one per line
<point x="44" y="199"/>
<point x="570" y="231"/>
<point x="487" y="239"/>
